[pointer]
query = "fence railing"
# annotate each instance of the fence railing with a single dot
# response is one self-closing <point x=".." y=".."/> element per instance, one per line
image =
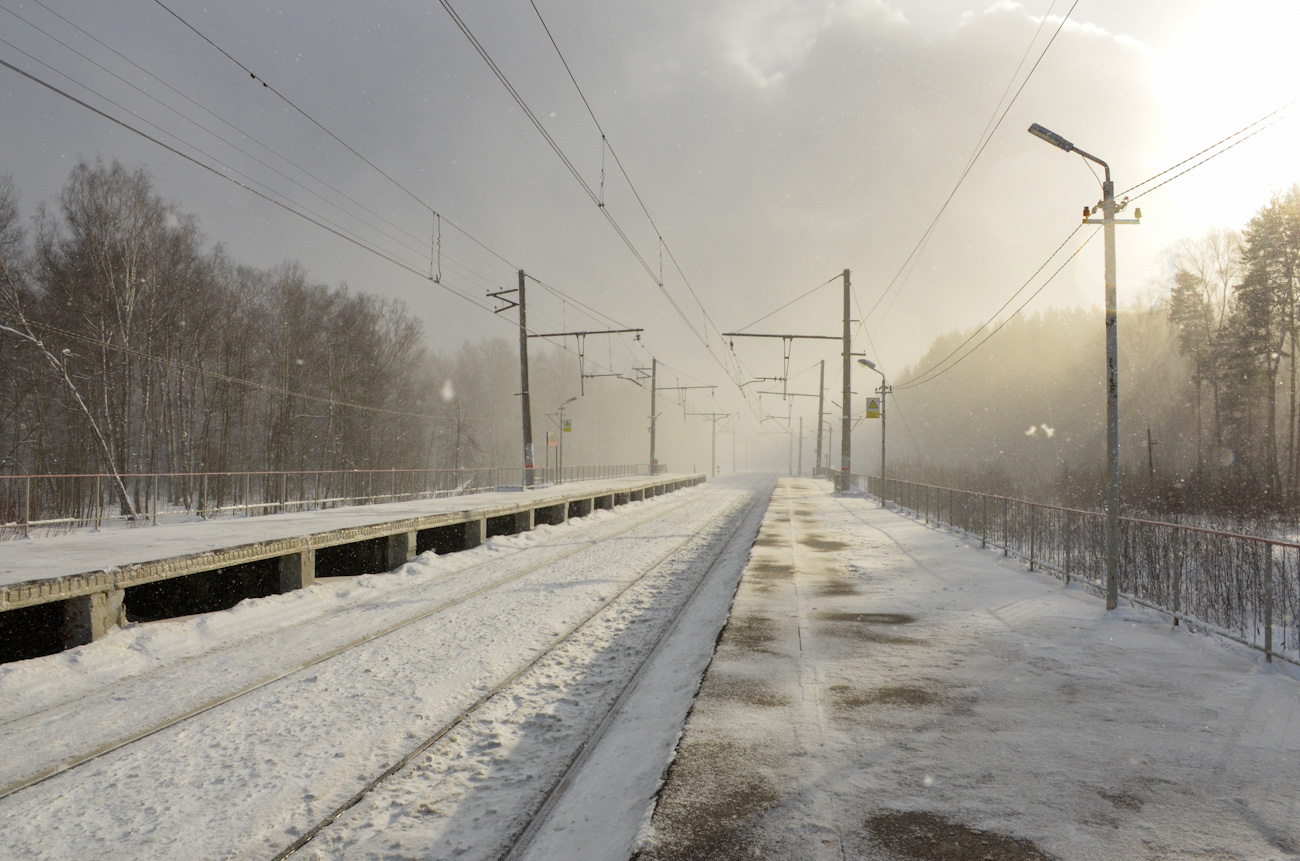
<point x="1243" y="587"/>
<point x="63" y="502"/>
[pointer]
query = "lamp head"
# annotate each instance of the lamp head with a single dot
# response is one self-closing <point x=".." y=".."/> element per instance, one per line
<point x="867" y="363"/>
<point x="1051" y="137"/>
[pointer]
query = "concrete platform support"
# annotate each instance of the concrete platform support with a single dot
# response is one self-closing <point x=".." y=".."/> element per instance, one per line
<point x="89" y="617"/>
<point x="622" y="498"/>
<point x="579" y="507"/>
<point x="400" y="550"/>
<point x="524" y="520"/>
<point x="636" y="495"/>
<point x="603" y="503"/>
<point x="475" y="533"/>
<point x="551" y="515"/>
<point x="297" y="570"/>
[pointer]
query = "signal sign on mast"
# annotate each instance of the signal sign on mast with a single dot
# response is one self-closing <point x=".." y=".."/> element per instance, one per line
<point x="873" y="408"/>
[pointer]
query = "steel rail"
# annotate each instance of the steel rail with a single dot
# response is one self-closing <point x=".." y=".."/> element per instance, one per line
<point x="560" y="641"/>
<point x="208" y="705"/>
<point x="520" y="842"/>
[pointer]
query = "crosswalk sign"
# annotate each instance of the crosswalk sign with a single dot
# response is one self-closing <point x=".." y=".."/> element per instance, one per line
<point x="873" y="408"/>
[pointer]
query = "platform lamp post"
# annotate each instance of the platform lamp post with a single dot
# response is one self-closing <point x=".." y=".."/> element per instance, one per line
<point x="559" y="461"/>
<point x="1108" y="221"/>
<point x="884" y="390"/>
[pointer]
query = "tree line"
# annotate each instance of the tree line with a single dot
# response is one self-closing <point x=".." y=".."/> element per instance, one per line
<point x="1209" y="389"/>
<point x="129" y="347"/>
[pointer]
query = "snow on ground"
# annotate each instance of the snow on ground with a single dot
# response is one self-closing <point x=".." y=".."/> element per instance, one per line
<point x="247" y="777"/>
<point x="885" y="690"/>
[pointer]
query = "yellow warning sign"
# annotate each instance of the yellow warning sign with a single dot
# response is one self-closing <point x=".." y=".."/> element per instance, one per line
<point x="873" y="408"/>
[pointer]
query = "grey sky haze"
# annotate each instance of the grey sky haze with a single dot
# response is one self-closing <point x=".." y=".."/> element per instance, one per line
<point x="775" y="143"/>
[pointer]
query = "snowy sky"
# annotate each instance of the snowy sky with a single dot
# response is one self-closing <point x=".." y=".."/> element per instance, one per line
<point x="774" y="143"/>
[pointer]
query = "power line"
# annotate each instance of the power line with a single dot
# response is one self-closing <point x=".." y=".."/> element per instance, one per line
<point x="334" y="136"/>
<point x="291" y="104"/>
<point x="1239" y="131"/>
<point x="282" y="204"/>
<point x="1209" y="158"/>
<point x="619" y="162"/>
<point x="933" y="372"/>
<point x="596" y="198"/>
<point x="792" y="301"/>
<point x="306" y="214"/>
<point x="318" y="221"/>
<point x="910" y="262"/>
<point x="214" y="115"/>
<point x="213" y="133"/>
<point x="228" y="378"/>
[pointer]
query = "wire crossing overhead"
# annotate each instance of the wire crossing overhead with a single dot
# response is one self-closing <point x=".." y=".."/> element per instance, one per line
<point x="787" y="341"/>
<point x="582" y="348"/>
<point x="582" y="334"/>
<point x="596" y="195"/>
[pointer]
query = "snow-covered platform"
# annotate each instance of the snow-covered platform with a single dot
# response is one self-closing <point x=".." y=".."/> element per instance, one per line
<point x="68" y="590"/>
<point x="888" y="690"/>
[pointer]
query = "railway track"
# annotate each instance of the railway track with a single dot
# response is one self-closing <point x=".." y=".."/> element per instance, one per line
<point x="521" y="564"/>
<point x="43" y="724"/>
<point x="515" y="839"/>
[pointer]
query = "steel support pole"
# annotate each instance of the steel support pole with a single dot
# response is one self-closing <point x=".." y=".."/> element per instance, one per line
<point x="654" y="374"/>
<point x="821" y="406"/>
<point x="884" y="390"/>
<point x="713" y="449"/>
<point x="1268" y="602"/>
<point x="1112" y="401"/>
<point x="789" y="444"/>
<point x="527" y="406"/>
<point x="846" y="431"/>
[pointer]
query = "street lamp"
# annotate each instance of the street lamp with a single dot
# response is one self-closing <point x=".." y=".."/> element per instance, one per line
<point x="884" y="388"/>
<point x="1108" y="209"/>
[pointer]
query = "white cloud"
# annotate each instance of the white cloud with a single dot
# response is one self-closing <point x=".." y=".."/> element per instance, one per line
<point x="767" y="41"/>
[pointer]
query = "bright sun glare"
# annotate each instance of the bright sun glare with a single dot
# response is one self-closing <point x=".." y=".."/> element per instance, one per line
<point x="1236" y="65"/>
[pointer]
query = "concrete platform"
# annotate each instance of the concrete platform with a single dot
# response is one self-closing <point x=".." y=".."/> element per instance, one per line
<point x="887" y="690"/>
<point x="73" y="589"/>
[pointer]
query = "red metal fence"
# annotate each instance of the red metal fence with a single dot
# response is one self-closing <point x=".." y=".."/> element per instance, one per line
<point x="1243" y="587"/>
